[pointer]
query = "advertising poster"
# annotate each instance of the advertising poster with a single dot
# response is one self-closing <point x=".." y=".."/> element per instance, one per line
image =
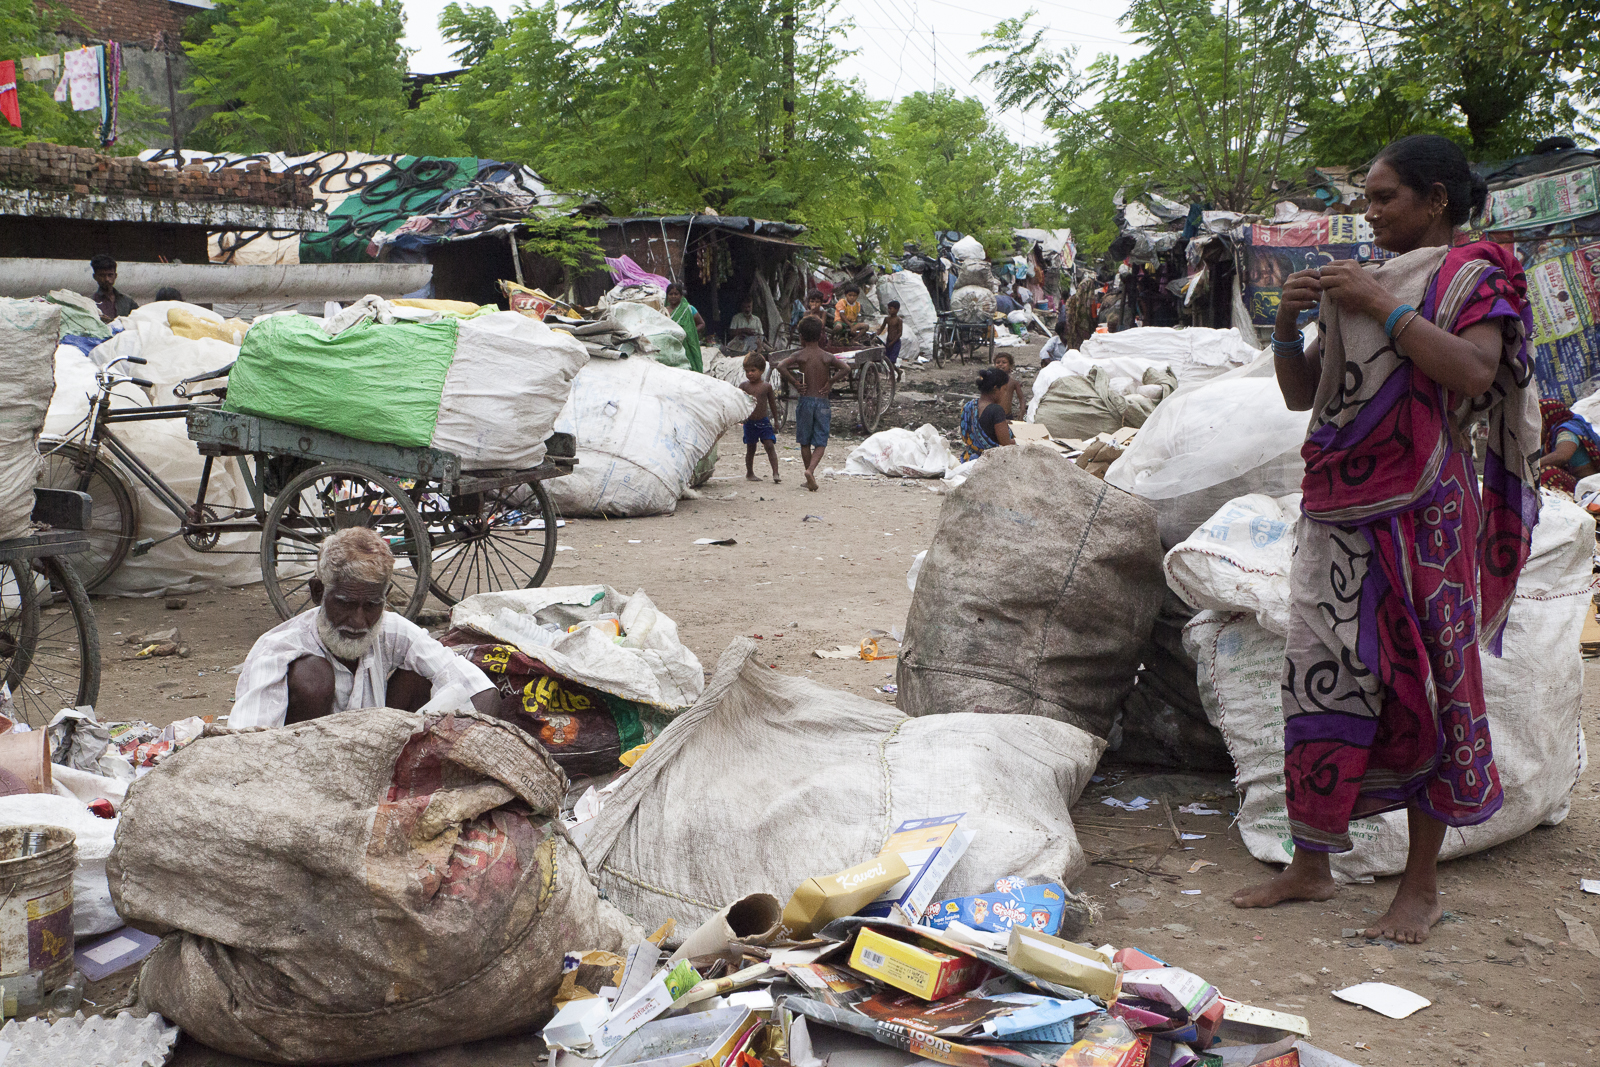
<point x="1544" y="199"/>
<point x="1564" y="290"/>
<point x="1273" y="252"/>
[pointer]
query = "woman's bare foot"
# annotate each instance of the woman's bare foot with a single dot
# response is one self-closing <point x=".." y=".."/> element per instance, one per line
<point x="1411" y="915"/>
<point x="776" y="480"/>
<point x="1297" y="882"/>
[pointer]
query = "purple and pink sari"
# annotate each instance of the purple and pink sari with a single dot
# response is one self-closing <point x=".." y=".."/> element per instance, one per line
<point x="1402" y="563"/>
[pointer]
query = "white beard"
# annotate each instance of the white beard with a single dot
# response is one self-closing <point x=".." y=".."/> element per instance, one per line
<point x="342" y="647"/>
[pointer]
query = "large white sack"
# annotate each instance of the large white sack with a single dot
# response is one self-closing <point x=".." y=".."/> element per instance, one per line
<point x="968" y="250"/>
<point x="649" y="665"/>
<point x="973" y="303"/>
<point x="92" y="910"/>
<point x="1074" y="362"/>
<point x="1210" y="442"/>
<point x="902" y="453"/>
<point x="916" y="308"/>
<point x="171" y="566"/>
<point x="29" y="330"/>
<point x="1238" y="560"/>
<point x="504" y="390"/>
<point x="654" y="326"/>
<point x="1195" y="353"/>
<point x="641" y="429"/>
<point x="770" y="780"/>
<point x="1533" y="695"/>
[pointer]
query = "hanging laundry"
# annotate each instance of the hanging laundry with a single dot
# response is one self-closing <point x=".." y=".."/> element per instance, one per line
<point x="8" y="92"/>
<point x="110" y="92"/>
<point x="41" y="68"/>
<point x="83" y="77"/>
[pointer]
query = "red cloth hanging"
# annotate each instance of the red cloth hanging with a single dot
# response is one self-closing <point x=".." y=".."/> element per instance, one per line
<point x="8" y="92"/>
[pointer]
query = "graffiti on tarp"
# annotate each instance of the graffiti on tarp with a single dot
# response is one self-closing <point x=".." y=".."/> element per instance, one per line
<point x="1275" y="251"/>
<point x="1564" y="290"/>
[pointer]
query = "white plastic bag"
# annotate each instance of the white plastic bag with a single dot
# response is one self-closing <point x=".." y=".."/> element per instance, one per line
<point x="916" y="308"/>
<point x="1533" y="696"/>
<point x="1195" y="353"/>
<point x="650" y="664"/>
<point x="968" y="250"/>
<point x="902" y="453"/>
<point x="28" y="333"/>
<point x="656" y="327"/>
<point x="1211" y="442"/>
<point x="1238" y="560"/>
<point x="641" y="429"/>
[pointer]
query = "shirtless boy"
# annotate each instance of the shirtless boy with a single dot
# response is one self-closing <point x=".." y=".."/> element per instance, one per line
<point x="893" y="326"/>
<point x="812" y="372"/>
<point x="758" y="427"/>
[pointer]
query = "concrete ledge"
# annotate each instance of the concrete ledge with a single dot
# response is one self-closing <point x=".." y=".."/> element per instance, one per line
<point x="209" y="283"/>
<point x="212" y="214"/>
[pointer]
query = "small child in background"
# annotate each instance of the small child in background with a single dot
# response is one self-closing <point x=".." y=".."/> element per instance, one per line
<point x="758" y="427"/>
<point x="1011" y="392"/>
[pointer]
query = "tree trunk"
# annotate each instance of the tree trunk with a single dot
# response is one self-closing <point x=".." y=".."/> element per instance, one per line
<point x="788" y="72"/>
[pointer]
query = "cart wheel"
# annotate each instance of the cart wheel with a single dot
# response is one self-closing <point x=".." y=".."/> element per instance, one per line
<point x="873" y="394"/>
<point x="938" y="347"/>
<point x="328" y="498"/>
<point x="488" y="542"/>
<point x="114" y="520"/>
<point x="49" y="642"/>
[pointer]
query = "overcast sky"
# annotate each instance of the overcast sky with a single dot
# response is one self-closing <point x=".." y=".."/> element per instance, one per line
<point x="901" y="46"/>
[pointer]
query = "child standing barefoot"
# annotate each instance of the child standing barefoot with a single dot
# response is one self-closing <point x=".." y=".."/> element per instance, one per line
<point x="758" y="427"/>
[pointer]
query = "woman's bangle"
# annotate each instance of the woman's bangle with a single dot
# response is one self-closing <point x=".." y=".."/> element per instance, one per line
<point x="1394" y="317"/>
<point x="1288" y="349"/>
<point x="1404" y="326"/>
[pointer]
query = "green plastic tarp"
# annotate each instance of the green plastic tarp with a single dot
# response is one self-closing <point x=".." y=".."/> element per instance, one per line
<point x="372" y="382"/>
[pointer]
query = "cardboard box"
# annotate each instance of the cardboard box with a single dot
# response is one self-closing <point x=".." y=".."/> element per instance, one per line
<point x="818" y="901"/>
<point x="656" y="997"/>
<point x="1171" y="985"/>
<point x="1056" y="960"/>
<point x="575" y="1025"/>
<point x="1104" y="1042"/>
<point x="916" y="965"/>
<point x="1038" y="906"/>
<point x="1250" y="1025"/>
<point x="929" y="848"/>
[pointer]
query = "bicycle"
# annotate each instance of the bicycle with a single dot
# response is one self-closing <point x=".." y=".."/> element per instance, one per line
<point x="453" y="532"/>
<point x="49" y="640"/>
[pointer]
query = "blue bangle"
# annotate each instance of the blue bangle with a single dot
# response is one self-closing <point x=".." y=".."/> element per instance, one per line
<point x="1289" y="349"/>
<point x="1394" y="317"/>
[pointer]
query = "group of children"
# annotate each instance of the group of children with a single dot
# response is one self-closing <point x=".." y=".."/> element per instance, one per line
<point x="813" y="371"/>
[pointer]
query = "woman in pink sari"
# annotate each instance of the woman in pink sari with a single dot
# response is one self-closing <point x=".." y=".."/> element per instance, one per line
<point x="1403" y="565"/>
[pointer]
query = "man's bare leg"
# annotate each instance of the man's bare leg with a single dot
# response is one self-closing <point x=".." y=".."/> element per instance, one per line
<point x="1415" y="907"/>
<point x="772" y="456"/>
<point x="311" y="690"/>
<point x="1306" y="878"/>
<point x="407" y="690"/>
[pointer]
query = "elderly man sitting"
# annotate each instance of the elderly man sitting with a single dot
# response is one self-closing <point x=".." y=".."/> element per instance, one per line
<point x="349" y="652"/>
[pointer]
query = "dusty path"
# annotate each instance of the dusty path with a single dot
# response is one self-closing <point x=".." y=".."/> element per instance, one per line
<point x="813" y="570"/>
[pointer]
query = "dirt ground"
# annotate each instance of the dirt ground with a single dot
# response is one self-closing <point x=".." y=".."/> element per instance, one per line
<point x="814" y="570"/>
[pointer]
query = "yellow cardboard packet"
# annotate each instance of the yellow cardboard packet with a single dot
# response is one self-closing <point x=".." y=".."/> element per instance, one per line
<point x="818" y="901"/>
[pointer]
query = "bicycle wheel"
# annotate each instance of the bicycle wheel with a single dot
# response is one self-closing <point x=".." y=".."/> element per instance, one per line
<point x="939" y="343"/>
<point x="780" y="401"/>
<point x="49" y="641"/>
<point x="320" y="502"/>
<point x="114" y="521"/>
<point x="487" y="542"/>
<point x="871" y="393"/>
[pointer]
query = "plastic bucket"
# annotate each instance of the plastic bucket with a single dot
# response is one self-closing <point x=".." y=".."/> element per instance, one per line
<point x="36" y="902"/>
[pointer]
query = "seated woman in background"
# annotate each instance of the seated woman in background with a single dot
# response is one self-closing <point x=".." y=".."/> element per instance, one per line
<point x="1571" y="447"/>
<point x="984" y="423"/>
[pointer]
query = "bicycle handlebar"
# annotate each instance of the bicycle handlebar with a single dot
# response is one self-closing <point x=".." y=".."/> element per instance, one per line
<point x="146" y="382"/>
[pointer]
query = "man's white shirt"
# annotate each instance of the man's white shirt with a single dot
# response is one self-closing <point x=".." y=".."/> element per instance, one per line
<point x="262" y="696"/>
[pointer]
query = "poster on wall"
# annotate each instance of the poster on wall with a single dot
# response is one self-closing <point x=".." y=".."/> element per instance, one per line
<point x="1275" y="251"/>
<point x="1545" y="198"/>
<point x="1564" y="290"/>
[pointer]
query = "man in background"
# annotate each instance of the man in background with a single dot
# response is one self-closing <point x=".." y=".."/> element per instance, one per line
<point x="112" y="304"/>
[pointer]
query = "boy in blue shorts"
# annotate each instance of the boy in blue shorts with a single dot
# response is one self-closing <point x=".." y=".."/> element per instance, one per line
<point x="812" y="372"/>
<point x="758" y="427"/>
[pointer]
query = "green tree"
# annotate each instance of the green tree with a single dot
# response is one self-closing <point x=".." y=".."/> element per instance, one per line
<point x="969" y="175"/>
<point x="298" y="76"/>
<point x="1206" y="111"/>
<point x="1497" y="74"/>
<point x="24" y="32"/>
<point x="677" y="106"/>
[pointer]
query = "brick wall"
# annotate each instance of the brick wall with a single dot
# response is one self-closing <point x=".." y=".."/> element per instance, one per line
<point x="132" y="22"/>
<point x="66" y="168"/>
